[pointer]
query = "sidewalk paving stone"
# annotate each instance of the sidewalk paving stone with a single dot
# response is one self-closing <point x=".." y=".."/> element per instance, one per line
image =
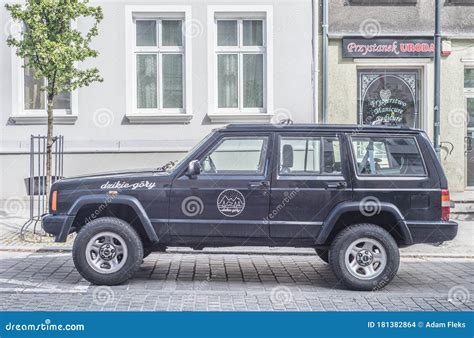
<point x="49" y="281"/>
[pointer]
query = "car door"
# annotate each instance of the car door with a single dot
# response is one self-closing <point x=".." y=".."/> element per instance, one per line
<point x="230" y="197"/>
<point x="310" y="178"/>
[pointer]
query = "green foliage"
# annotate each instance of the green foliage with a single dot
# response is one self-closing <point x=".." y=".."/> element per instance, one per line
<point x="52" y="46"/>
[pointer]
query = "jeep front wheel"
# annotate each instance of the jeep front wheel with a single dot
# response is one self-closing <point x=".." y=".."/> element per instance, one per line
<point x="364" y="257"/>
<point x="107" y="251"/>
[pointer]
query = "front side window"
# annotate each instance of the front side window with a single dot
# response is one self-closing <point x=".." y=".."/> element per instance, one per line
<point x="244" y="156"/>
<point x="241" y="59"/>
<point x="159" y="64"/>
<point x="387" y="156"/>
<point x="389" y="96"/>
<point x="309" y="156"/>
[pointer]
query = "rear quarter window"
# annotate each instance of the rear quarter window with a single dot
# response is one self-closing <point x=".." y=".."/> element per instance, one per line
<point x="387" y="156"/>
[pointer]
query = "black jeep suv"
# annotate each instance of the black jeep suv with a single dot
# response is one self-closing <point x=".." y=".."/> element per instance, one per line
<point x="355" y="194"/>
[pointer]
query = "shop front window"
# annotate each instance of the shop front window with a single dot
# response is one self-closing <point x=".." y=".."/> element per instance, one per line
<point x="389" y="96"/>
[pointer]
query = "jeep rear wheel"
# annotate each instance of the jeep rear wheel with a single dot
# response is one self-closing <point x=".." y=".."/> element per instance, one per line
<point x="107" y="251"/>
<point x="364" y="257"/>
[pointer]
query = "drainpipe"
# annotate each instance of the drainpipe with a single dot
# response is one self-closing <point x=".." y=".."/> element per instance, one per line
<point x="437" y="78"/>
<point x="325" y="60"/>
<point x="315" y="58"/>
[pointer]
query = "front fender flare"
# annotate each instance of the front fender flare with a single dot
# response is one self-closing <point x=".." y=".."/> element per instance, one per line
<point x="343" y="207"/>
<point x="130" y="201"/>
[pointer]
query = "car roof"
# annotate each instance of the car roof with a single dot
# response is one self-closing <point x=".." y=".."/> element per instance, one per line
<point x="308" y="127"/>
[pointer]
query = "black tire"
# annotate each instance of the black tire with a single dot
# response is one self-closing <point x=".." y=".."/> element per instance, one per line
<point x="323" y="254"/>
<point x="112" y="225"/>
<point x="341" y="244"/>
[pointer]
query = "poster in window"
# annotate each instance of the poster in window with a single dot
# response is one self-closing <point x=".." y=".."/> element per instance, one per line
<point x="389" y="97"/>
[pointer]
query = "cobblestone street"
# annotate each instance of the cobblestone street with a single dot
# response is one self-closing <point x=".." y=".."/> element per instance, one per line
<point x="230" y="282"/>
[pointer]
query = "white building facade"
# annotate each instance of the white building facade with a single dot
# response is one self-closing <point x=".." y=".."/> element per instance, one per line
<point x="173" y="71"/>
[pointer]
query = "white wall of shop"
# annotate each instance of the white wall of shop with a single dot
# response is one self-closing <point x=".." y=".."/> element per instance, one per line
<point x="343" y="98"/>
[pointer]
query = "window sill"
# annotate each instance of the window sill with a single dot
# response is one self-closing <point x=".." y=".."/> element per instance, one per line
<point x="159" y="118"/>
<point x="42" y="119"/>
<point x="239" y="117"/>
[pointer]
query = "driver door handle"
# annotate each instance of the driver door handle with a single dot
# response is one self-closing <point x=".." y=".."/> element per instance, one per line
<point x="336" y="185"/>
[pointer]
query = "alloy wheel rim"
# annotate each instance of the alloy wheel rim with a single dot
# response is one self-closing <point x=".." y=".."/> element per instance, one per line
<point x="365" y="258"/>
<point x="106" y="252"/>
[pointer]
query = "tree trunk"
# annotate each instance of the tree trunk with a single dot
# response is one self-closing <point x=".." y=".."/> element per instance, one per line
<point x="49" y="146"/>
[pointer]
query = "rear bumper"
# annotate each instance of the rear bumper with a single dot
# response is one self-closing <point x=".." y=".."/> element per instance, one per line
<point x="57" y="225"/>
<point x="432" y="232"/>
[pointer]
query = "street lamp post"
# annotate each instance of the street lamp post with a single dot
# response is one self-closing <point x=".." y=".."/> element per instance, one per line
<point x="437" y="78"/>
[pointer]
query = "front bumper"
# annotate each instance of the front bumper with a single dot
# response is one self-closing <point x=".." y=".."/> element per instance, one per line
<point x="432" y="232"/>
<point x="58" y="225"/>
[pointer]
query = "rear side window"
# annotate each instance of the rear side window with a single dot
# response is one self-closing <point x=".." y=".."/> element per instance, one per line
<point x="387" y="156"/>
<point x="310" y="156"/>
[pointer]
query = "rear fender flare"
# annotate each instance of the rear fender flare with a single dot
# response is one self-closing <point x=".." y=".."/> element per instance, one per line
<point x="332" y="218"/>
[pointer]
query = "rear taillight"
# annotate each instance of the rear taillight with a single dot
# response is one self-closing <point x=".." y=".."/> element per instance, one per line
<point x="54" y="201"/>
<point x="445" y="205"/>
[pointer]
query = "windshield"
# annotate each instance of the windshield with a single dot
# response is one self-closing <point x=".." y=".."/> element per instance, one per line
<point x="169" y="166"/>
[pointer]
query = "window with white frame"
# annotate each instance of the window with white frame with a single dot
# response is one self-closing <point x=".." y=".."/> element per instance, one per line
<point x="29" y="101"/>
<point x="241" y="58"/>
<point x="34" y="99"/>
<point x="159" y="64"/>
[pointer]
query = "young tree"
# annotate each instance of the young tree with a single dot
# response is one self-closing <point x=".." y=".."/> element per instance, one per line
<point x="51" y="46"/>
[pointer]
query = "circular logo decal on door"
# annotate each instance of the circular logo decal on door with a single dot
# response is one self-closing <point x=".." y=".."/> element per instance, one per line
<point x="231" y="202"/>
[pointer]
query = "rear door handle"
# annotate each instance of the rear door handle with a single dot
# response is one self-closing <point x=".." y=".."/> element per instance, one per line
<point x="336" y="185"/>
<point x="259" y="185"/>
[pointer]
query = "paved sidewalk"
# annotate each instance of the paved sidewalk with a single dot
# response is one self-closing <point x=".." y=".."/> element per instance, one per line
<point x="236" y="282"/>
<point x="41" y="276"/>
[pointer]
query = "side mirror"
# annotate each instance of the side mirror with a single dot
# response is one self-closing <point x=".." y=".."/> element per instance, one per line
<point x="194" y="168"/>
